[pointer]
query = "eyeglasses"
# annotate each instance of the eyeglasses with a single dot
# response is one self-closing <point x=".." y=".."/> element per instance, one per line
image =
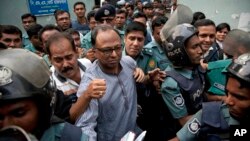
<point x="108" y="20"/>
<point x="109" y="50"/>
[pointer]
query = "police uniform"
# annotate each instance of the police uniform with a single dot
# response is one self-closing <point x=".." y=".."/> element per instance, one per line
<point x="144" y="60"/>
<point x="25" y="39"/>
<point x="86" y="41"/>
<point x="30" y="47"/>
<point x="159" y="54"/>
<point x="215" y="70"/>
<point x="181" y="101"/>
<point x="64" y="132"/>
<point x="193" y="129"/>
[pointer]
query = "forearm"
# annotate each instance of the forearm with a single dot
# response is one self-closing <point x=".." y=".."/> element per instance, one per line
<point x="183" y="120"/>
<point x="79" y="107"/>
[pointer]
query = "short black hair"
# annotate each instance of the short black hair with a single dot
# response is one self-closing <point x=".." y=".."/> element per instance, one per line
<point x="79" y="3"/>
<point x="204" y="22"/>
<point x="34" y="30"/>
<point x="158" y="21"/>
<point x="24" y="16"/>
<point x="59" y="12"/>
<point x="136" y="26"/>
<point x="139" y="15"/>
<point x="198" y="16"/>
<point x="91" y="14"/>
<point x="221" y="26"/>
<point x="10" y="29"/>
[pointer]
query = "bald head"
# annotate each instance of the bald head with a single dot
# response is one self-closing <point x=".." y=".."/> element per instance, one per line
<point x="236" y="43"/>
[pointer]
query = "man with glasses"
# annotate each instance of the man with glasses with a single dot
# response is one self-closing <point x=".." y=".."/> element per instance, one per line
<point x="110" y="117"/>
<point x="62" y="19"/>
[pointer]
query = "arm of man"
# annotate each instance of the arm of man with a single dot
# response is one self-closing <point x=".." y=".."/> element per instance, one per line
<point x="175" y="102"/>
<point x="96" y="89"/>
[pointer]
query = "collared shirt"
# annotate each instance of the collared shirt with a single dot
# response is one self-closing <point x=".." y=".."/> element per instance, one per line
<point x="160" y="56"/>
<point x="172" y="96"/>
<point x="207" y="52"/>
<point x="86" y="41"/>
<point x="25" y="40"/>
<point x="30" y="47"/>
<point x="66" y="85"/>
<point x="143" y="61"/>
<point x="112" y="116"/>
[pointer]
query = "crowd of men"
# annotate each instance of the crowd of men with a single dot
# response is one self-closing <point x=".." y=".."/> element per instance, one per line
<point x="117" y="69"/>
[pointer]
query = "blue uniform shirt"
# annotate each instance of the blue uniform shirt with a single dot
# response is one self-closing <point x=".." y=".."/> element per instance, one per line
<point x="172" y="96"/>
<point x="190" y="131"/>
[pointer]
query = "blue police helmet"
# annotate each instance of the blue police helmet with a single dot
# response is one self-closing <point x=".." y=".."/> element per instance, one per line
<point x="240" y="67"/>
<point x="174" y="45"/>
<point x="24" y="74"/>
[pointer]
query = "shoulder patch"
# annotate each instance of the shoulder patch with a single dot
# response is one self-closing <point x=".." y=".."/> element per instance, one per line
<point x="147" y="51"/>
<point x="5" y="76"/>
<point x="178" y="100"/>
<point x="194" y="126"/>
<point x="152" y="63"/>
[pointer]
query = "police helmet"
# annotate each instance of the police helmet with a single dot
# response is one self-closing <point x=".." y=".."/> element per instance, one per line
<point x="240" y="68"/>
<point x="24" y="74"/>
<point x="174" y="45"/>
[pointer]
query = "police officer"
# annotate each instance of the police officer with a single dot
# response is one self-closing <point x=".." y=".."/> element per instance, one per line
<point x="27" y="97"/>
<point x="236" y="43"/>
<point x="156" y="44"/>
<point x="235" y="111"/>
<point x="105" y="15"/>
<point x="182" y="89"/>
<point x="148" y="100"/>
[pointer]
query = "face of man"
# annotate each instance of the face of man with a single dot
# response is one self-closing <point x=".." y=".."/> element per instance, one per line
<point x="148" y="12"/>
<point x="120" y="20"/>
<point x="80" y="10"/>
<point x="156" y="34"/>
<point x="134" y="42"/>
<point x="108" y="50"/>
<point x="221" y="35"/>
<point x="28" y="22"/>
<point x="23" y="113"/>
<point x="77" y="40"/>
<point x="64" y="58"/>
<point x="63" y="21"/>
<point x="193" y="49"/>
<point x="238" y="98"/>
<point x="130" y="11"/>
<point x="107" y="21"/>
<point x="207" y="36"/>
<point x="92" y="23"/>
<point x="11" y="40"/>
<point x="36" y="42"/>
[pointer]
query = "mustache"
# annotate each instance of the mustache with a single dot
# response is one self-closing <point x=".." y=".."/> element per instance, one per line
<point x="65" y="69"/>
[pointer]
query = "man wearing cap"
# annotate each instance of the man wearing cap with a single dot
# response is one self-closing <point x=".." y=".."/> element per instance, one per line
<point x="104" y="16"/>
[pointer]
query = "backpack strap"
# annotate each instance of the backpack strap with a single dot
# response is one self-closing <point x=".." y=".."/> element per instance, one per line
<point x="75" y="133"/>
